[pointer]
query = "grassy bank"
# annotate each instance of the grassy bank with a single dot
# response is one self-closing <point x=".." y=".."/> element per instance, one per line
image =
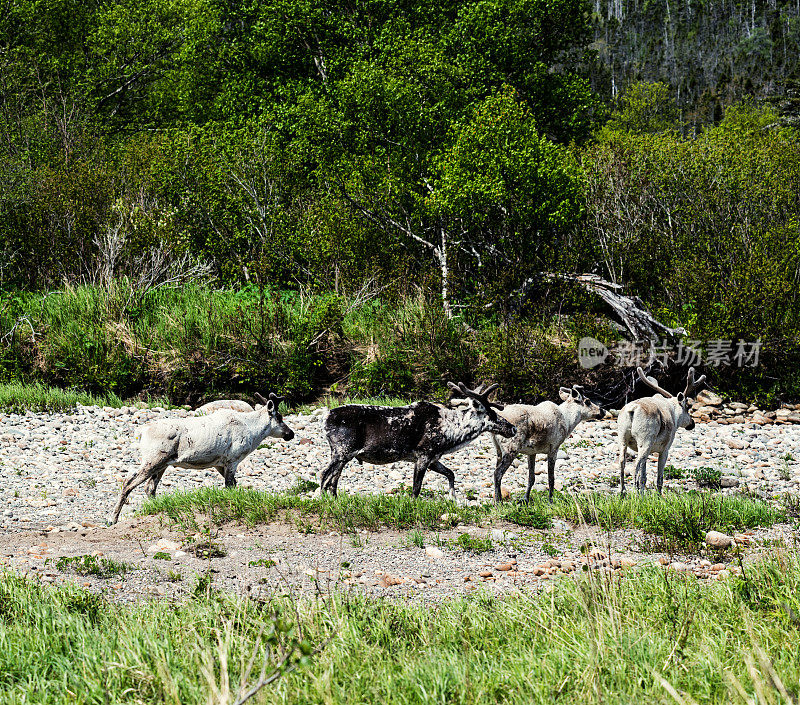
<point x="647" y="636"/>
<point x="194" y="343"/>
<point x="677" y="520"/>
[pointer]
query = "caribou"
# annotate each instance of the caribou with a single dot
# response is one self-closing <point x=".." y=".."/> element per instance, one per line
<point x="541" y="429"/>
<point x="420" y="433"/>
<point x="648" y="425"/>
<point x="219" y="440"/>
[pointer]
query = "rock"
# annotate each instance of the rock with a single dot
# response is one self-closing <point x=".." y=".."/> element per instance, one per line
<point x="742" y="539"/>
<point x="716" y="539"/>
<point x="220" y="404"/>
<point x="736" y="444"/>
<point x="729" y="481"/>
<point x="504" y="566"/>
<point x="485" y="574"/>
<point x="498" y="535"/>
<point x="164" y="545"/>
<point x="505" y="494"/>
<point x="709" y="398"/>
<point x="434" y="552"/>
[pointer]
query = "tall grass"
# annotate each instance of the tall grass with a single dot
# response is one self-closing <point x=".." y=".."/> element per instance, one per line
<point x="621" y="640"/>
<point x="18" y="398"/>
<point x="67" y="645"/>
<point x="193" y="342"/>
<point x="648" y="635"/>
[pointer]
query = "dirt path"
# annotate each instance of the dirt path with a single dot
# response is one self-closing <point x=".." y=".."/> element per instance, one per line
<point x="278" y="558"/>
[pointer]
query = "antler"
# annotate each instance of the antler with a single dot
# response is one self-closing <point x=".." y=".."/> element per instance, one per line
<point x="650" y="382"/>
<point x="480" y="394"/>
<point x="692" y="383"/>
<point x="274" y="398"/>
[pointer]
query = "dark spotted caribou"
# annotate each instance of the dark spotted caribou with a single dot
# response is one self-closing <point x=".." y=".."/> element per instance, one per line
<point x="420" y="433"/>
<point x="541" y="429"/>
<point x="648" y="425"/>
<point x="219" y="440"/>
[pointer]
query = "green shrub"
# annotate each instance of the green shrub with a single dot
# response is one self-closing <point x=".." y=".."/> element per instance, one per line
<point x="707" y="477"/>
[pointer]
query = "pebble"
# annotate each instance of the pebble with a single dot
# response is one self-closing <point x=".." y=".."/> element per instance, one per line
<point x="67" y="468"/>
<point x="434" y="552"/>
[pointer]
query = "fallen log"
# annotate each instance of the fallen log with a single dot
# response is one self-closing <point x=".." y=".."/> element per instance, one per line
<point x="630" y="310"/>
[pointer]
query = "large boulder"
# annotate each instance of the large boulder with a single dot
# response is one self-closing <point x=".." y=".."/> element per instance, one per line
<point x="220" y="404"/>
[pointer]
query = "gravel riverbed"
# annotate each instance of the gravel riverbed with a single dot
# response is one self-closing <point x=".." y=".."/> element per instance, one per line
<point x="68" y="467"/>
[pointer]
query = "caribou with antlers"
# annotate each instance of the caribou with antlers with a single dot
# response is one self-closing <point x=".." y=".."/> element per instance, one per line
<point x="541" y="429"/>
<point x="420" y="433"/>
<point x="648" y="425"/>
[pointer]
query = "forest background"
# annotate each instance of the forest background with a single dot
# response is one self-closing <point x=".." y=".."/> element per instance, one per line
<point x="202" y="197"/>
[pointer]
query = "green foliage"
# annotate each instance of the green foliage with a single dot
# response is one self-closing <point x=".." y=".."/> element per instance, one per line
<point x="303" y="487"/>
<point x="473" y="544"/>
<point x="528" y="361"/>
<point x="725" y="203"/>
<point x="593" y="648"/>
<point x="529" y="515"/>
<point x="18" y="398"/>
<point x="707" y="477"/>
<point x="600" y="644"/>
<point x="92" y="565"/>
<point x="645" y="108"/>
<point x="673" y="473"/>
<point x="416" y="538"/>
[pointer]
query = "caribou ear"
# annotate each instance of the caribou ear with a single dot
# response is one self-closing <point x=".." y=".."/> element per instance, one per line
<point x="565" y="393"/>
<point x="454" y="387"/>
<point x="270" y="407"/>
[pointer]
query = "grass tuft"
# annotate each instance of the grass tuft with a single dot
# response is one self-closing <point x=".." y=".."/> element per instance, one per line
<point x="17" y="398"/>
<point x="92" y="565"/>
<point x="677" y="519"/>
